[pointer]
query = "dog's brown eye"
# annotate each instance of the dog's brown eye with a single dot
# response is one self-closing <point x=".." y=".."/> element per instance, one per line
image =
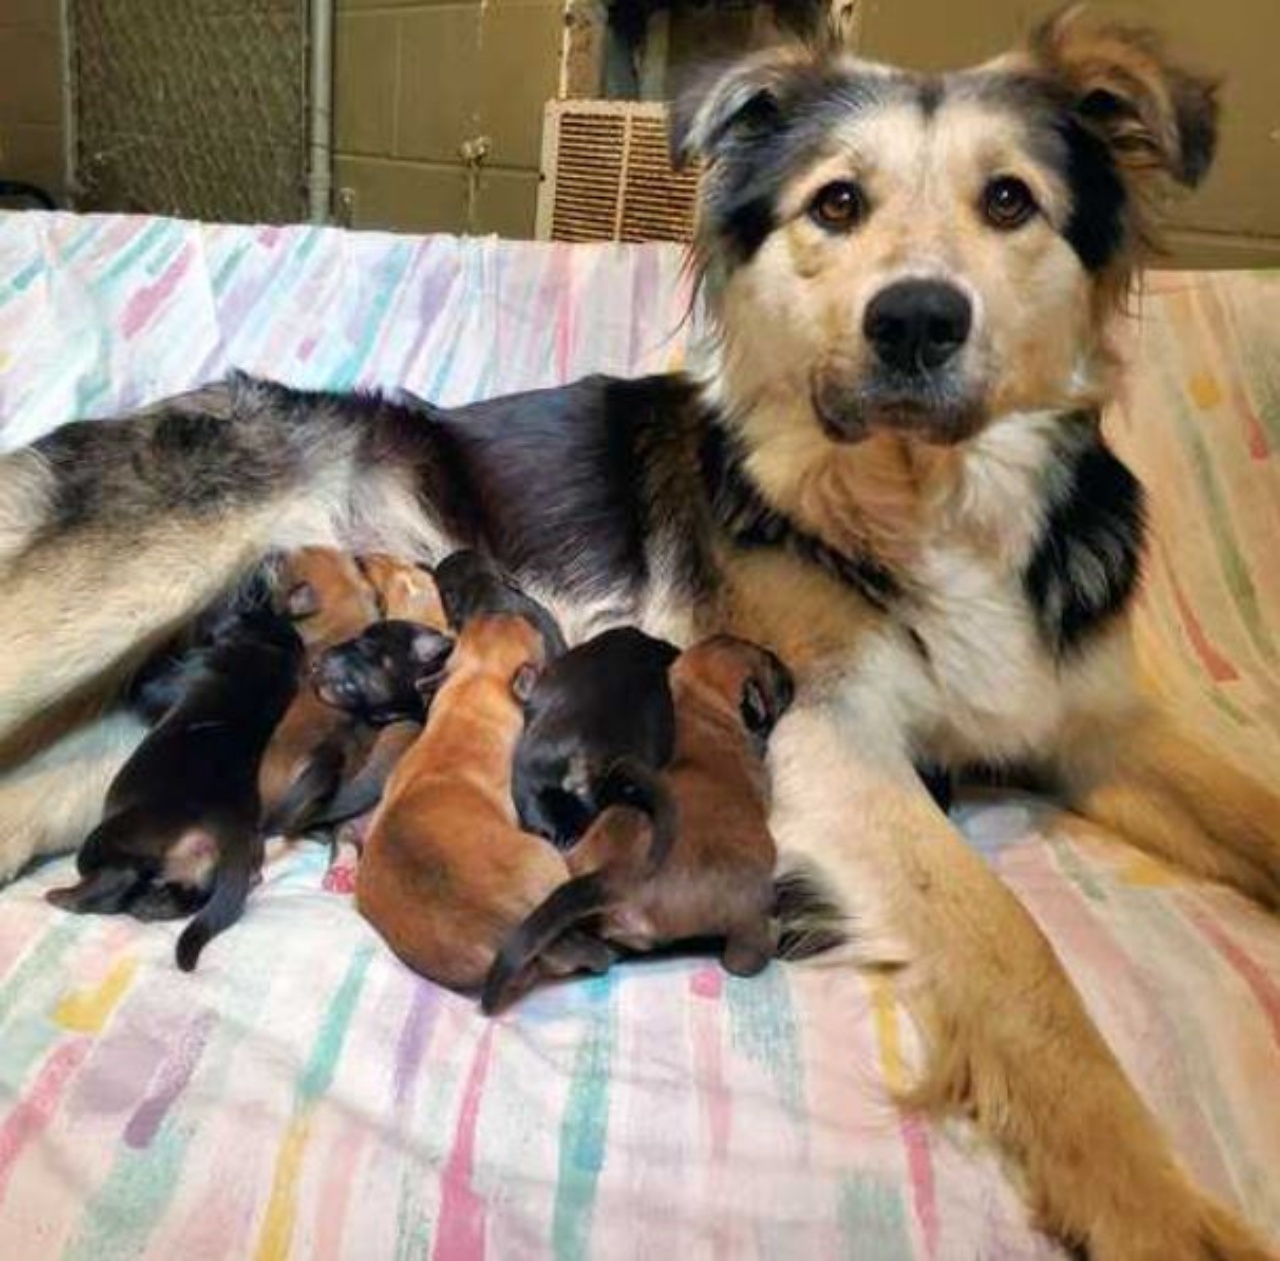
<point x="1008" y="203"/>
<point x="838" y="207"/>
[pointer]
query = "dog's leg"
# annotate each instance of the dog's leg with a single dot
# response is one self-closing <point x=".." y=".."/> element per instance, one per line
<point x="49" y="804"/>
<point x="1007" y="1039"/>
<point x="1139" y="774"/>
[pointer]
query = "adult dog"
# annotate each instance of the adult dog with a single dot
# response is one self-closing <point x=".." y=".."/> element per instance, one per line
<point x="887" y="468"/>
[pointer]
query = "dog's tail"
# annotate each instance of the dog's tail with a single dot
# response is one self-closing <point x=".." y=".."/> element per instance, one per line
<point x="629" y="782"/>
<point x="570" y="904"/>
<point x="238" y="863"/>
<point x="360" y="794"/>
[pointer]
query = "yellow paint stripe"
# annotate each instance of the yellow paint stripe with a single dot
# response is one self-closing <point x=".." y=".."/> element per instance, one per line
<point x="87" y="1011"/>
<point x="884" y="1018"/>
<point x="1146" y="872"/>
<point x="282" y="1208"/>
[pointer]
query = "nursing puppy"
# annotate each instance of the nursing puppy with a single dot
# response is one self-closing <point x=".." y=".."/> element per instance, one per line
<point x="447" y="871"/>
<point x="716" y="880"/>
<point x="599" y="725"/>
<point x="472" y="584"/>
<point x="384" y="678"/>
<point x="406" y="591"/>
<point x="315" y="748"/>
<point x="181" y="826"/>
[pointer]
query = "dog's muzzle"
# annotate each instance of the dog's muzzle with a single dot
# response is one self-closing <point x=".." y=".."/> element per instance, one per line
<point x="917" y="326"/>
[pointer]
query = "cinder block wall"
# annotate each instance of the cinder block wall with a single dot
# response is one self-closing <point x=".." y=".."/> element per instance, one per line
<point x="414" y="81"/>
<point x="31" y="92"/>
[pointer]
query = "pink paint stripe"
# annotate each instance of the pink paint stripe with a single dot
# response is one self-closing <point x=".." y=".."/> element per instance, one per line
<point x="1264" y="989"/>
<point x="707" y="985"/>
<point x="144" y="304"/>
<point x="924" y="1194"/>
<point x="340" y="1176"/>
<point x="1220" y="669"/>
<point x="35" y="1110"/>
<point x="460" y="1231"/>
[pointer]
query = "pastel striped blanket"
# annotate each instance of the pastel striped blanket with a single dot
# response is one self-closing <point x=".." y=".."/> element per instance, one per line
<point x="302" y="1095"/>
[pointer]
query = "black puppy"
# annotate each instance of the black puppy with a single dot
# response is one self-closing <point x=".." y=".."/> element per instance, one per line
<point x="598" y="725"/>
<point x="378" y="676"/>
<point x="472" y="585"/>
<point x="386" y="678"/>
<point x="181" y="823"/>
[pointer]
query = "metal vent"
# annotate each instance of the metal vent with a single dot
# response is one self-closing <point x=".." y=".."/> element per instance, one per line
<point x="607" y="176"/>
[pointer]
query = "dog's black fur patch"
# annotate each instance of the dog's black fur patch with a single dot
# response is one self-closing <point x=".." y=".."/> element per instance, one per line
<point x="742" y="512"/>
<point x="1086" y="565"/>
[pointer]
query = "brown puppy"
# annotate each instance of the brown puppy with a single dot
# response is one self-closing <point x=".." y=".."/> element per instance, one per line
<point x="447" y="872"/>
<point x="405" y="590"/>
<point x="315" y="747"/>
<point x="717" y="879"/>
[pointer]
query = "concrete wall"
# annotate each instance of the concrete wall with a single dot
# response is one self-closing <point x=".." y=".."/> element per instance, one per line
<point x="31" y="92"/>
<point x="414" y="82"/>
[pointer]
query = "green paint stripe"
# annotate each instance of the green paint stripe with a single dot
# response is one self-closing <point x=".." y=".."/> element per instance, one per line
<point x="1234" y="567"/>
<point x="318" y="1073"/>
<point x="584" y="1128"/>
<point x="762" y="1026"/>
<point x="1073" y="867"/>
<point x="869" y="1209"/>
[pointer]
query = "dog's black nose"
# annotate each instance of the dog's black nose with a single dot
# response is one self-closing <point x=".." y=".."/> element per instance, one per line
<point x="916" y="325"/>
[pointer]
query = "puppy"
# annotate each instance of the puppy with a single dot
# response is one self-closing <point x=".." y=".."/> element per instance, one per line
<point x="447" y="872"/>
<point x="315" y="747"/>
<point x="598" y="727"/>
<point x="717" y="879"/>
<point x="472" y="585"/>
<point x="181" y="824"/>
<point x="406" y="591"/>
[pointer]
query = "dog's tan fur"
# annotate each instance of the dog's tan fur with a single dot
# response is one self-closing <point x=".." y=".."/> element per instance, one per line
<point x="1007" y="1039"/>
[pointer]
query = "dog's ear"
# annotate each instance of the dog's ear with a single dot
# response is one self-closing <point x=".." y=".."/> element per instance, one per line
<point x="727" y="102"/>
<point x="1152" y="115"/>
<point x="301" y="600"/>
<point x="756" y="711"/>
<point x="525" y="680"/>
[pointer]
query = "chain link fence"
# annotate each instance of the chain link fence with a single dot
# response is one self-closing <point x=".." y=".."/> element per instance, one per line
<point x="194" y="108"/>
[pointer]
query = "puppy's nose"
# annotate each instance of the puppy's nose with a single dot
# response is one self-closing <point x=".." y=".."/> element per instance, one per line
<point x="917" y="325"/>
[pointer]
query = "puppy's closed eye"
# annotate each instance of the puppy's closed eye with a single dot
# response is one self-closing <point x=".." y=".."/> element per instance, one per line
<point x="755" y="708"/>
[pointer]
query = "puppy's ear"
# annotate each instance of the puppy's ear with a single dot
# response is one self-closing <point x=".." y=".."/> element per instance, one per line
<point x="301" y="600"/>
<point x="1152" y="115"/>
<point x="730" y="102"/>
<point x="756" y="711"/>
<point x="525" y="680"/>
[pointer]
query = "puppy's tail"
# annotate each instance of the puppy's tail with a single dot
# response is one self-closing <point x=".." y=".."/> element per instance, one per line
<point x="309" y="794"/>
<point x="629" y="782"/>
<point x="231" y="884"/>
<point x="359" y="795"/>
<point x="567" y="906"/>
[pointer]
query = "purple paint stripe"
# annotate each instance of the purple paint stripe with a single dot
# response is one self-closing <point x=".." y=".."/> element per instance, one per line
<point x="170" y="1081"/>
<point x="413" y="1038"/>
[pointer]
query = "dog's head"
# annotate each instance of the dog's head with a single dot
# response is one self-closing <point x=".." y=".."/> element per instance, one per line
<point x="326" y="594"/>
<point x="750" y="679"/>
<point x="924" y="254"/>
<point x="472" y="585"/>
<point x="379" y="676"/>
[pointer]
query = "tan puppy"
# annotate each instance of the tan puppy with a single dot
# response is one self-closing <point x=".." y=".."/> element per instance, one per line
<point x="447" y="872"/>
<point x="405" y="590"/>
<point x="315" y="747"/>
<point x="717" y="879"/>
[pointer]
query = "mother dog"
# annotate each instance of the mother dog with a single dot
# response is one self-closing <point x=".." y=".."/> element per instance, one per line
<point x="888" y="467"/>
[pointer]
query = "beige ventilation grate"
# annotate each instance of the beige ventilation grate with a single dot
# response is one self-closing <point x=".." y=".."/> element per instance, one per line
<point x="607" y="175"/>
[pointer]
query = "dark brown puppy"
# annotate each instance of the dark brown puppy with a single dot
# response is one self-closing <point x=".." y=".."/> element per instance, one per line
<point x="315" y="747"/>
<point x="447" y="871"/>
<point x="181" y="823"/>
<point x="717" y="879"/>
<point x="599" y="726"/>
